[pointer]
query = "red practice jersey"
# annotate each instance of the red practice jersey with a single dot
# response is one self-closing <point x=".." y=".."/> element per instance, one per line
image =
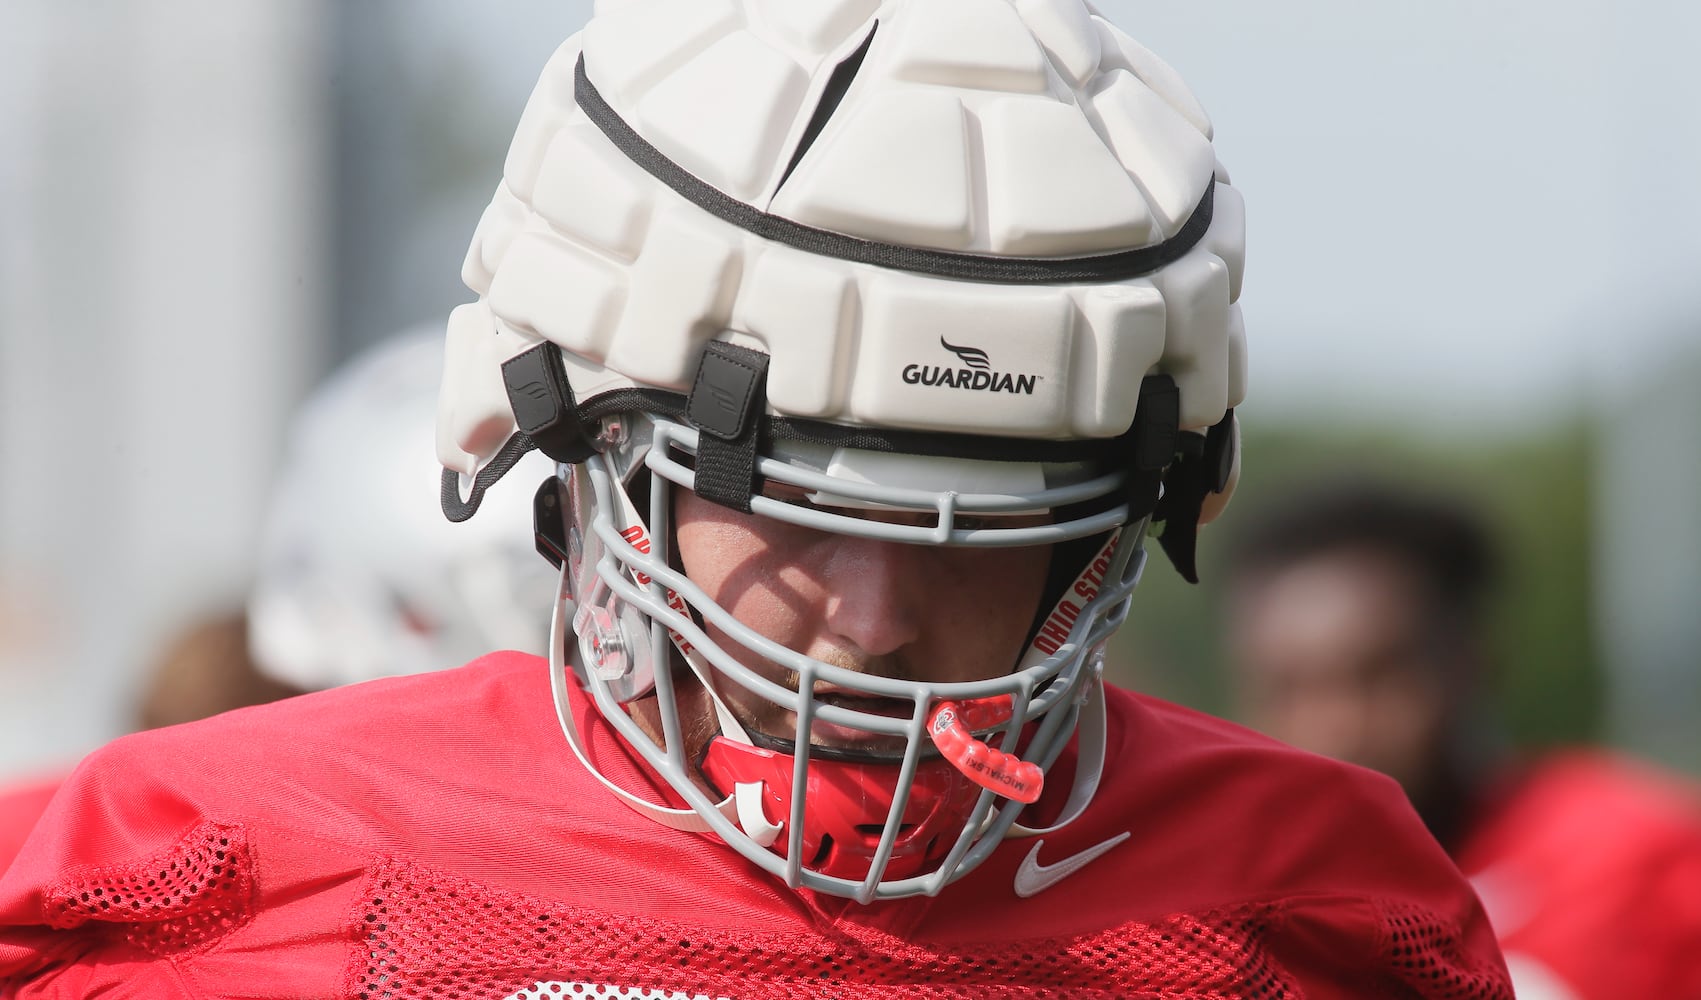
<point x="21" y="805"/>
<point x="432" y="837"/>
<point x="1590" y="866"/>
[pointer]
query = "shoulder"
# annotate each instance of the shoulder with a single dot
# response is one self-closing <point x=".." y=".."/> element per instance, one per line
<point x="1248" y="817"/>
<point x="496" y="686"/>
<point x="367" y="766"/>
<point x="1201" y="766"/>
<point x="411" y="716"/>
<point x="322" y="762"/>
<point x="1326" y="860"/>
<point x="267" y="822"/>
<point x="1210" y="850"/>
<point x="239" y="761"/>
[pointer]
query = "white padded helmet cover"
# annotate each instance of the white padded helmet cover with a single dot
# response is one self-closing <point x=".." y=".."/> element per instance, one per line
<point x="1025" y="129"/>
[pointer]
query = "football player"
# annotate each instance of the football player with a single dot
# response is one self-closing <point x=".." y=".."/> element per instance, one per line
<point x="1359" y="630"/>
<point x="871" y="339"/>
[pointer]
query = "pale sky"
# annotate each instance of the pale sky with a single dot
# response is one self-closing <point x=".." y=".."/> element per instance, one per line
<point x="1490" y="203"/>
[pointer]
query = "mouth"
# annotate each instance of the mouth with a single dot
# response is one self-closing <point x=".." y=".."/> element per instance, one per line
<point x="866" y="704"/>
<point x="830" y="740"/>
<point x="833" y="736"/>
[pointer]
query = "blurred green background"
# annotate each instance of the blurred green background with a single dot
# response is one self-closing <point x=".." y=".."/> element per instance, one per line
<point x="1534" y="489"/>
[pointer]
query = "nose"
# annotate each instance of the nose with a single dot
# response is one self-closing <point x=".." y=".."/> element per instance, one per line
<point x="875" y="591"/>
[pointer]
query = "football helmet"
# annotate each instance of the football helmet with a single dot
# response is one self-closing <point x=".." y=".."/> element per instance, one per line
<point x="358" y="575"/>
<point x="970" y="265"/>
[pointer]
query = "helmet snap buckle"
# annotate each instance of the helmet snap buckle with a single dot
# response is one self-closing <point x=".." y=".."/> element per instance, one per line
<point x="602" y="641"/>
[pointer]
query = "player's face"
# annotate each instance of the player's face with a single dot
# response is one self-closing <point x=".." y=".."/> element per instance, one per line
<point x="913" y="612"/>
<point x="1334" y="655"/>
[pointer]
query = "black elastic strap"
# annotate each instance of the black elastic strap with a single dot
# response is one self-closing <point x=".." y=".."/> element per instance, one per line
<point x="458" y="510"/>
<point x="1202" y="468"/>
<point x="727" y="400"/>
<point x="1116" y="266"/>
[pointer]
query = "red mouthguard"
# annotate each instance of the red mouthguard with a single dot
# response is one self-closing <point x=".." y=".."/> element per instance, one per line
<point x="951" y="724"/>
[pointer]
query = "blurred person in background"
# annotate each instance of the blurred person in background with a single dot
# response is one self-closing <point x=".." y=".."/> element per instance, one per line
<point x="205" y="669"/>
<point x="1357" y="629"/>
<point x="359" y="575"/>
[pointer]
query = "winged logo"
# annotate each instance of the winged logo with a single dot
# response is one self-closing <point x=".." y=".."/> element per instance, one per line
<point x="974" y="357"/>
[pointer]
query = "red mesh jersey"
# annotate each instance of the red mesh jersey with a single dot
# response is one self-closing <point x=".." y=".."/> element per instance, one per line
<point x="1590" y="865"/>
<point x="432" y="837"/>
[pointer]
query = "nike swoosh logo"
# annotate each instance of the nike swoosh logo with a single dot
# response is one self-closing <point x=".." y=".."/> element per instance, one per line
<point x="1033" y="878"/>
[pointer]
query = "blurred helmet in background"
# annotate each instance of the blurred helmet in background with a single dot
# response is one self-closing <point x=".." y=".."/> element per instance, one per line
<point x="359" y="575"/>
